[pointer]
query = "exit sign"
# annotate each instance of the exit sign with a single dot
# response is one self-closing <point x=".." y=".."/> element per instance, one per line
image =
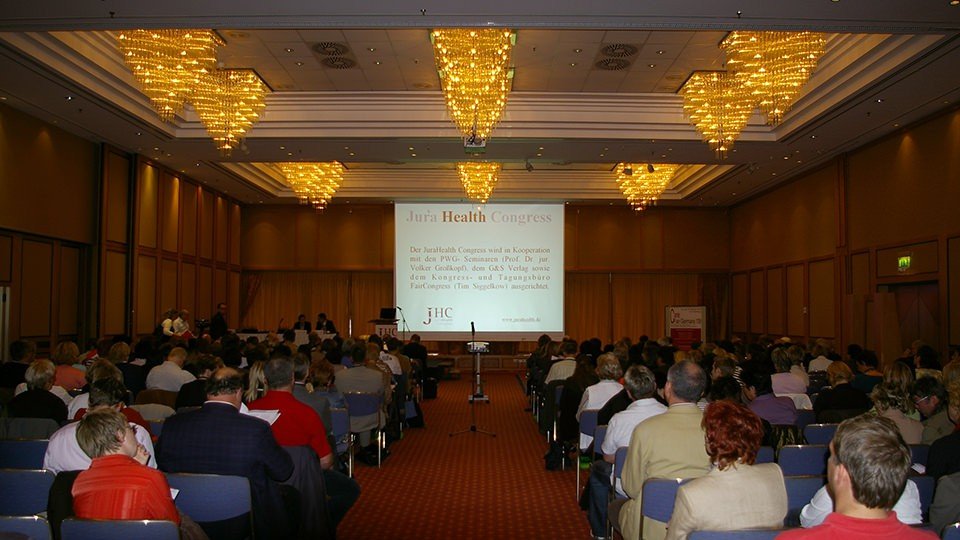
<point x="903" y="262"/>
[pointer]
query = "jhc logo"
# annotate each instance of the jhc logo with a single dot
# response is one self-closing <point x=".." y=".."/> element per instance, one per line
<point x="438" y="313"/>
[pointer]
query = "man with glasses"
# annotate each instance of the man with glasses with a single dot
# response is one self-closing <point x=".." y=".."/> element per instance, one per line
<point x="930" y="397"/>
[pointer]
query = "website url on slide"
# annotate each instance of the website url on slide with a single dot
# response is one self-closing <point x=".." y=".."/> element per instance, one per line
<point x="520" y="319"/>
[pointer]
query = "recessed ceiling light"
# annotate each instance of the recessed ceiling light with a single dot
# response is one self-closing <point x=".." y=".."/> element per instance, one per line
<point x="573" y="64"/>
<point x="377" y="62"/>
<point x="773" y="174"/>
<point x="139" y="133"/>
<point x="813" y="136"/>
<point x="352" y="154"/>
<point x="734" y="194"/>
<point x="289" y="50"/>
<point x="602" y="155"/>
<point x="578" y="50"/>
<point x="541" y="148"/>
<point x="786" y="157"/>
<point x="371" y="49"/>
<point x="157" y="148"/>
<point x="289" y="153"/>
<point x="539" y="154"/>
<point x="198" y="164"/>
<point x="283" y="147"/>
<point x="299" y="64"/>
<point x="651" y="65"/>
<point x="660" y="51"/>
<point x="879" y="100"/>
<point x="3" y="98"/>
<point x="896" y="125"/>
<point x="346" y="147"/>
<point x="69" y="98"/>
<point x="413" y="155"/>
<point x="955" y="2"/>
<point x="410" y="148"/>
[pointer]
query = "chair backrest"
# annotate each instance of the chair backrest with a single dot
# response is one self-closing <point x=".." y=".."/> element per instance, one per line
<point x="805" y="417"/>
<point x="819" y="433"/>
<point x="558" y="394"/>
<point x="211" y="497"/>
<point x="156" y="427"/>
<point x="340" y="422"/>
<point x="363" y="403"/>
<point x="155" y="395"/>
<point x="22" y="453"/>
<point x="952" y="532"/>
<point x="800" y="490"/>
<point x="24" y="492"/>
<point x="27" y="428"/>
<point x="588" y="421"/>
<point x="102" y="529"/>
<point x="751" y="534"/>
<point x="155" y="412"/>
<point x="34" y="527"/>
<point x="800" y="401"/>
<point x="765" y="454"/>
<point x="925" y="486"/>
<point x="599" y="435"/>
<point x="658" y="497"/>
<point x="918" y="453"/>
<point x="803" y="459"/>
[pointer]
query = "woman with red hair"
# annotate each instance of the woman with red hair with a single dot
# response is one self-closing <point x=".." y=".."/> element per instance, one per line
<point x="735" y="494"/>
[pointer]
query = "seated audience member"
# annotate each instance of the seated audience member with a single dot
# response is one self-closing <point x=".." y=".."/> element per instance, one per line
<point x="303" y="393"/>
<point x="362" y="378"/>
<point x="841" y="400"/>
<point x="944" y="456"/>
<point x="930" y="398"/>
<point x="725" y="388"/>
<point x="100" y="369"/>
<point x="669" y="445"/>
<point x="64" y="453"/>
<point x="890" y="402"/>
<point x="820" y="362"/>
<point x="641" y="386"/>
<point x="118" y="485"/>
<point x="723" y="366"/>
<point x="735" y="494"/>
<point x="416" y="352"/>
<point x="194" y="393"/>
<point x="256" y="383"/>
<point x="867" y="471"/>
<point x="761" y="400"/>
<point x="38" y="401"/>
<point x="394" y="347"/>
<point x="563" y="368"/>
<point x="65" y="355"/>
<point x="797" y="355"/>
<point x="302" y="323"/>
<point x="217" y="439"/>
<point x="109" y="391"/>
<point x="597" y="395"/>
<point x="783" y="381"/>
<point x="927" y="362"/>
<point x="181" y="325"/>
<point x="907" y="508"/>
<point x="300" y="425"/>
<point x="945" y="509"/>
<point x="584" y="376"/>
<point x="321" y="379"/>
<point x="170" y="375"/>
<point x="134" y="377"/>
<point x="13" y="371"/>
<point x="868" y="372"/>
<point x="899" y="377"/>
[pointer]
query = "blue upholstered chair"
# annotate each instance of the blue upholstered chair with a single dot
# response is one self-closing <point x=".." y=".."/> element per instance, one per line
<point x="24" y="492"/>
<point x="588" y="426"/>
<point x="751" y="534"/>
<point x="34" y="527"/>
<point x="803" y="459"/>
<point x="765" y="455"/>
<point x="800" y="490"/>
<point x="22" y="453"/>
<point x="102" y="529"/>
<point x="819" y="433"/>
<point x="218" y="503"/>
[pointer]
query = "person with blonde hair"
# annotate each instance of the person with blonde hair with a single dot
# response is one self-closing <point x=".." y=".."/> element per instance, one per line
<point x="256" y="382"/>
<point x="596" y="395"/>
<point x="841" y="400"/>
<point x="889" y="401"/>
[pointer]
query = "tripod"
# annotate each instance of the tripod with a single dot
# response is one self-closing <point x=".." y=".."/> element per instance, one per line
<point x="477" y="394"/>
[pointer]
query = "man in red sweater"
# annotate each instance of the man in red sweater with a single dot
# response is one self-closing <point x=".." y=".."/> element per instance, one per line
<point x="867" y="470"/>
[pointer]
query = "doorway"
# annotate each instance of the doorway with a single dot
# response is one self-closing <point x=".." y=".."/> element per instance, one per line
<point x="918" y="312"/>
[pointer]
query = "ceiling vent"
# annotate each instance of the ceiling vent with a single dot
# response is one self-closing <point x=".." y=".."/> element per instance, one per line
<point x="338" y="62"/>
<point x="331" y="48"/>
<point x="612" y="64"/>
<point x="619" y="50"/>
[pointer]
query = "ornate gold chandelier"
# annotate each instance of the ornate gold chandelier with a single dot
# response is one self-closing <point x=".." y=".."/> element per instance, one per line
<point x="774" y="66"/>
<point x="718" y="105"/>
<point x="643" y="183"/>
<point x="478" y="178"/>
<point x="229" y="102"/>
<point x="474" y="66"/>
<point x="169" y="63"/>
<point x="314" y="183"/>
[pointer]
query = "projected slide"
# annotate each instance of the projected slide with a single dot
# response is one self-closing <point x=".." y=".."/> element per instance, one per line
<point x="497" y="265"/>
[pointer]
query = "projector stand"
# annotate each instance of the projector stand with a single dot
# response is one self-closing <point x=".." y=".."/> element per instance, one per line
<point x="477" y="394"/>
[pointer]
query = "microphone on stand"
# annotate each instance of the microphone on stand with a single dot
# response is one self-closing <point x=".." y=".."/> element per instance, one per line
<point x="473" y="331"/>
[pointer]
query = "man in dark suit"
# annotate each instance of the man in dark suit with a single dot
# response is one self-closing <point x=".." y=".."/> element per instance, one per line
<point x="325" y="325"/>
<point x="218" y="323"/>
<point x="217" y="439"/>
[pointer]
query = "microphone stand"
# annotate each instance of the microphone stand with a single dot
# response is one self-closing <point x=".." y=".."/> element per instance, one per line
<point x="477" y="394"/>
<point x="403" y="325"/>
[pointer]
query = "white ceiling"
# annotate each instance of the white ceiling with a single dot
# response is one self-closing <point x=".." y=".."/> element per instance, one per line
<point x="889" y="64"/>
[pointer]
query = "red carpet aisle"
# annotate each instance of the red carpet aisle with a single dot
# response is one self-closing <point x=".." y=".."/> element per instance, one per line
<point x="470" y="486"/>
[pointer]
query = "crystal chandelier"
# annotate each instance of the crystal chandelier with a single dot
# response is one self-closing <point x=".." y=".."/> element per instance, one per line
<point x="718" y="105"/>
<point x="478" y="178"/>
<point x="643" y="183"/>
<point x="229" y="102"/>
<point x="168" y="63"/>
<point x="474" y="66"/>
<point x="314" y="183"/>
<point x="774" y="66"/>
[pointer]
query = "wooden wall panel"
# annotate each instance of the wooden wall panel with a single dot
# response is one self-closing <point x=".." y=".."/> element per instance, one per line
<point x="169" y="211"/>
<point x="822" y="304"/>
<point x="707" y="232"/>
<point x="116" y="183"/>
<point x="222" y="229"/>
<point x="70" y="287"/>
<point x="234" y="234"/>
<point x="775" y="303"/>
<point x="233" y="300"/>
<point x="188" y="287"/>
<point x="148" y="193"/>
<point x="953" y="286"/>
<point x="266" y="238"/>
<point x="905" y="187"/>
<point x="6" y="258"/>
<point x="757" y="289"/>
<point x="36" y="292"/>
<point x="147" y="313"/>
<point x="114" y="284"/>
<point x="796" y="303"/>
<point x="219" y="292"/>
<point x="204" y="290"/>
<point x="740" y="284"/>
<point x="306" y="251"/>
<point x="207" y="202"/>
<point x="168" y="286"/>
<point x="189" y="203"/>
<point x="48" y="179"/>
<point x="860" y="273"/>
<point x="591" y="293"/>
<point x="795" y="222"/>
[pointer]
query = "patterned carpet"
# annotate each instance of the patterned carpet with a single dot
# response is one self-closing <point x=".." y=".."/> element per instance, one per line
<point x="470" y="486"/>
